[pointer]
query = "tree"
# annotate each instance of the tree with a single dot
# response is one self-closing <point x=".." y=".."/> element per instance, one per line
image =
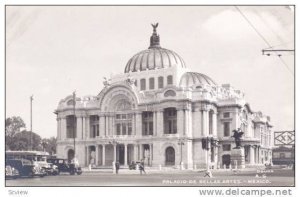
<point x="49" y="145"/>
<point x="13" y="125"/>
<point x="21" y="141"/>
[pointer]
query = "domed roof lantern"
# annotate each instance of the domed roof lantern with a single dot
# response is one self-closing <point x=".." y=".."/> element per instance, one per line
<point x="154" y="39"/>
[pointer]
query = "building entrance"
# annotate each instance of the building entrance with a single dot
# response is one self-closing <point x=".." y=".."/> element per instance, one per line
<point x="170" y="156"/>
<point x="121" y="154"/>
<point x="226" y="160"/>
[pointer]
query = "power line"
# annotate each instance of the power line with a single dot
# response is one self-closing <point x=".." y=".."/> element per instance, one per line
<point x="263" y="38"/>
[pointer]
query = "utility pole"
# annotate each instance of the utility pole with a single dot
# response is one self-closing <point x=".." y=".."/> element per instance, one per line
<point x="74" y="122"/>
<point x="30" y="133"/>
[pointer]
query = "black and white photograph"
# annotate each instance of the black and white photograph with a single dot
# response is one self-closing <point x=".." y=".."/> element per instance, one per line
<point x="150" y="96"/>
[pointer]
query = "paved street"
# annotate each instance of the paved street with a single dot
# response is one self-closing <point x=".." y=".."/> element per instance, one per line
<point x="278" y="177"/>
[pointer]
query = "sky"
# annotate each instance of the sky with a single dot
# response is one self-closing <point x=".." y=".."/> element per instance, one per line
<point x="53" y="50"/>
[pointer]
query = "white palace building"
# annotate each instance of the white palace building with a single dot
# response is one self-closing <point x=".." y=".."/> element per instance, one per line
<point x="160" y="111"/>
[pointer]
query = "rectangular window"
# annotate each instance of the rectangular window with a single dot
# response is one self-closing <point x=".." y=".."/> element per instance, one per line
<point x="170" y="80"/>
<point x="129" y="129"/>
<point x="151" y="83"/>
<point x="71" y="126"/>
<point x="226" y="115"/>
<point x="143" y="84"/>
<point x="97" y="130"/>
<point x="118" y="129"/>
<point x="160" y="82"/>
<point x="150" y="128"/>
<point x="226" y="147"/>
<point x="123" y="129"/>
<point x="226" y="129"/>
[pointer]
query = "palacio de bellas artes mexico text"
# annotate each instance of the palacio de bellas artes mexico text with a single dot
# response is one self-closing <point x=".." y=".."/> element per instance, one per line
<point x="158" y="119"/>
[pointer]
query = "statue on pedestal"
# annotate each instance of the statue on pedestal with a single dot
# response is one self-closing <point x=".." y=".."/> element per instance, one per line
<point x="237" y="135"/>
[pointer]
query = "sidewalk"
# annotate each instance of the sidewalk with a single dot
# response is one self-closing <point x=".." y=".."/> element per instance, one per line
<point x="151" y="170"/>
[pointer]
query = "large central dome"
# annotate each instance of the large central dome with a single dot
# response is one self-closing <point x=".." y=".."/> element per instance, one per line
<point x="154" y="57"/>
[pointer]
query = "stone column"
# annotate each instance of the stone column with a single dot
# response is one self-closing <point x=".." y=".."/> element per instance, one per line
<point x="141" y="151"/>
<point x="106" y="126"/>
<point x="97" y="154"/>
<point x="125" y="155"/>
<point x="103" y="154"/>
<point x="180" y="122"/>
<point x="258" y="155"/>
<point x="154" y="124"/>
<point x="101" y="125"/>
<point x="112" y="125"/>
<point x="63" y="127"/>
<point x="160" y="122"/>
<point x="204" y="123"/>
<point x="78" y="127"/>
<point x="251" y="155"/>
<point x="135" y="152"/>
<point x="115" y="152"/>
<point x="58" y="128"/>
<point x="87" y="156"/>
<point x="214" y="124"/>
<point x="87" y="131"/>
<point x="139" y="124"/>
<point x="133" y="127"/>
<point x="83" y="127"/>
<point x="150" y="153"/>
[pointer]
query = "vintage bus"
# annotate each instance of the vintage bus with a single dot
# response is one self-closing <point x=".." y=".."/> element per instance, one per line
<point x="38" y="158"/>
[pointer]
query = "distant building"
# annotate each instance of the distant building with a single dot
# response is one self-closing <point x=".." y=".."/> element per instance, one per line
<point x="283" y="155"/>
<point x="160" y="111"/>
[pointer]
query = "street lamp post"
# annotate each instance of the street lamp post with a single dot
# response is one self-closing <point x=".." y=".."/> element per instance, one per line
<point x="181" y="143"/>
<point x="74" y="122"/>
<point x="207" y="148"/>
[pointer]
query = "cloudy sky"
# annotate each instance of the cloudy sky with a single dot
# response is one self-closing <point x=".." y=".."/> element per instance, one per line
<point x="52" y="51"/>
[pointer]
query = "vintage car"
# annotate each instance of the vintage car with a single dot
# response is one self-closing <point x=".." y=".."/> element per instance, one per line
<point x="50" y="168"/>
<point x="11" y="172"/>
<point x="26" y="167"/>
<point x="64" y="165"/>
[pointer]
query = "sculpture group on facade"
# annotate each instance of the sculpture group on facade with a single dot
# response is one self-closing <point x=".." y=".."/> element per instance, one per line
<point x="237" y="135"/>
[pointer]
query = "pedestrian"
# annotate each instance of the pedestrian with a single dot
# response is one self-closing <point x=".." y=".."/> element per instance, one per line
<point x="142" y="167"/>
<point x="117" y="165"/>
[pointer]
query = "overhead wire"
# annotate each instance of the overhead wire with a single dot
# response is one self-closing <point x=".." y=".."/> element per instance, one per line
<point x="264" y="39"/>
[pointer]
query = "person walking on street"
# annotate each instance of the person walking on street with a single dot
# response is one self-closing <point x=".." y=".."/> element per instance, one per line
<point x="142" y="167"/>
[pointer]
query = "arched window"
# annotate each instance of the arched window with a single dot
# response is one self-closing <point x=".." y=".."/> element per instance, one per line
<point x="123" y="118"/>
<point x="170" y="156"/>
<point x="160" y="82"/>
<point x="170" y="80"/>
<point x="143" y="84"/>
<point x="151" y="83"/>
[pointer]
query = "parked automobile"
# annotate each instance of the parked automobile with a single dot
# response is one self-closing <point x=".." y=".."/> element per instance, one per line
<point x="11" y="172"/>
<point x="26" y="167"/>
<point x="50" y="168"/>
<point x="64" y="165"/>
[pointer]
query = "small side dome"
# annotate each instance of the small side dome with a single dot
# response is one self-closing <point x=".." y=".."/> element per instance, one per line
<point x="189" y="79"/>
